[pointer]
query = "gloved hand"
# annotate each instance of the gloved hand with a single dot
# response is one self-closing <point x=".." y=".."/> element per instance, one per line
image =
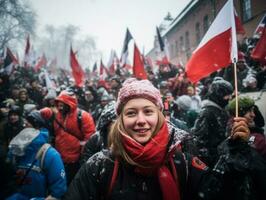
<point x="240" y="129"/>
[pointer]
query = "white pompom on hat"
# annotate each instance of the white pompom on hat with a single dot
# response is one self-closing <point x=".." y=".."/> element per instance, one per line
<point x="133" y="88"/>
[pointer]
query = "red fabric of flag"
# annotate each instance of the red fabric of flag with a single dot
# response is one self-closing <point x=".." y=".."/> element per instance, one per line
<point x="259" y="52"/>
<point x="138" y="66"/>
<point x="77" y="71"/>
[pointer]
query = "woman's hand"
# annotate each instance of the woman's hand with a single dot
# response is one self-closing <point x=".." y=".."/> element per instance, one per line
<point x="240" y="129"/>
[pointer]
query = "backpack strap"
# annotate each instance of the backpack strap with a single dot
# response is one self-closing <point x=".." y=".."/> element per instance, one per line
<point x="42" y="152"/>
<point x="114" y="175"/>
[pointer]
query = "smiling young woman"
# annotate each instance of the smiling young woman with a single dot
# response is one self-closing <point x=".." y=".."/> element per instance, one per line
<point x="145" y="158"/>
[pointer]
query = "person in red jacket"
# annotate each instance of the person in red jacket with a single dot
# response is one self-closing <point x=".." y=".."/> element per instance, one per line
<point x="72" y="127"/>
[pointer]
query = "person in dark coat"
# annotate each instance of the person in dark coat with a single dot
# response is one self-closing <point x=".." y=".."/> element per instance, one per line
<point x="14" y="124"/>
<point x="210" y="125"/>
<point x="145" y="160"/>
<point x="98" y="140"/>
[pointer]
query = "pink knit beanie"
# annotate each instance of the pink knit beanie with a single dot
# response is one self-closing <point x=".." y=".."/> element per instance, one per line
<point x="133" y="88"/>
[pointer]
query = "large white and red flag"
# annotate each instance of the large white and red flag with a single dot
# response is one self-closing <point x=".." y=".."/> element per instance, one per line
<point x="218" y="48"/>
<point x="77" y="71"/>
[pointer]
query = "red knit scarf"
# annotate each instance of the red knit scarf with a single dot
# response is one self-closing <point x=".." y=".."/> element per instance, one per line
<point x="152" y="157"/>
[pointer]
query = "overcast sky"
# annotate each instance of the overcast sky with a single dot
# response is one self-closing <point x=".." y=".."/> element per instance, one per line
<point x="106" y="20"/>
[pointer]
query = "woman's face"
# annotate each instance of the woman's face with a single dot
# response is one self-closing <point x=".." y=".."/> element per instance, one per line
<point x="140" y="118"/>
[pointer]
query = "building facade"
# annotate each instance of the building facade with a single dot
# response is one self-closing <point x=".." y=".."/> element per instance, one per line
<point x="188" y="28"/>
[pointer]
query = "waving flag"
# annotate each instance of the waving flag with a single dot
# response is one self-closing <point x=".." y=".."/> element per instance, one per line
<point x="218" y="47"/>
<point x="9" y="62"/>
<point x="259" y="52"/>
<point x="124" y="54"/>
<point x="42" y="61"/>
<point x="260" y="27"/>
<point x="239" y="27"/>
<point x="112" y="63"/>
<point x="138" y="66"/>
<point x="77" y="71"/>
<point x="162" y="58"/>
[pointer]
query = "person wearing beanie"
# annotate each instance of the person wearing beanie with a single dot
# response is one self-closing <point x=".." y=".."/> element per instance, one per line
<point x="144" y="159"/>
<point x="38" y="166"/>
<point x="184" y="112"/>
<point x="98" y="140"/>
<point x="255" y="120"/>
<point x="210" y="125"/>
<point x="72" y="127"/>
<point x="13" y="125"/>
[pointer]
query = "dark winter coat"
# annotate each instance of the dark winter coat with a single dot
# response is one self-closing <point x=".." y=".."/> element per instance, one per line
<point x="196" y="181"/>
<point x="210" y="130"/>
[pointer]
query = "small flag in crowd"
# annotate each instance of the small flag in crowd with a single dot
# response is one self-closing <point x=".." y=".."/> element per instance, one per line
<point x="77" y="71"/>
<point x="218" y="47"/>
<point x="138" y="66"/>
<point x="260" y="27"/>
<point x="239" y="27"/>
<point x="163" y="58"/>
<point x="259" y="52"/>
<point x="10" y="62"/>
<point x="124" y="54"/>
<point x="42" y="61"/>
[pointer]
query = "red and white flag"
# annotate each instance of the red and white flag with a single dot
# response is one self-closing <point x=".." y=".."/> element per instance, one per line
<point x="239" y="27"/>
<point x="260" y="27"/>
<point x="218" y="48"/>
<point x="103" y="72"/>
<point x="77" y="71"/>
<point x="259" y="52"/>
<point x="138" y="65"/>
<point x="112" y="63"/>
<point x="42" y="61"/>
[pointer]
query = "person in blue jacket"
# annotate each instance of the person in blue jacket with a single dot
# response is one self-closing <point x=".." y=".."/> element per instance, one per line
<point x="39" y="169"/>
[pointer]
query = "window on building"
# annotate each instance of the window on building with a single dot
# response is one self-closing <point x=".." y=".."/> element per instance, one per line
<point x="181" y="43"/>
<point x="246" y="9"/>
<point x="205" y="23"/>
<point x="197" y="32"/>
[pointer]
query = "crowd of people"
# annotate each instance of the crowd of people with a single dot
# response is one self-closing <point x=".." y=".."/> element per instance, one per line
<point x="123" y="138"/>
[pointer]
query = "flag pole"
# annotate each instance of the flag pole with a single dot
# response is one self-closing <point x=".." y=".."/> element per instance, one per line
<point x="236" y="88"/>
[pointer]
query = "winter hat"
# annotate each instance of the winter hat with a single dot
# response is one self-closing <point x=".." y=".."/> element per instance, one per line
<point x="107" y="116"/>
<point x="184" y="102"/>
<point x="220" y="88"/>
<point x="15" y="110"/>
<point x="244" y="103"/>
<point x="133" y="88"/>
<point x="36" y="119"/>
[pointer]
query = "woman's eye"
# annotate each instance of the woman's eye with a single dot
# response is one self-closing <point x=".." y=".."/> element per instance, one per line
<point x="131" y="113"/>
<point x="149" y="111"/>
